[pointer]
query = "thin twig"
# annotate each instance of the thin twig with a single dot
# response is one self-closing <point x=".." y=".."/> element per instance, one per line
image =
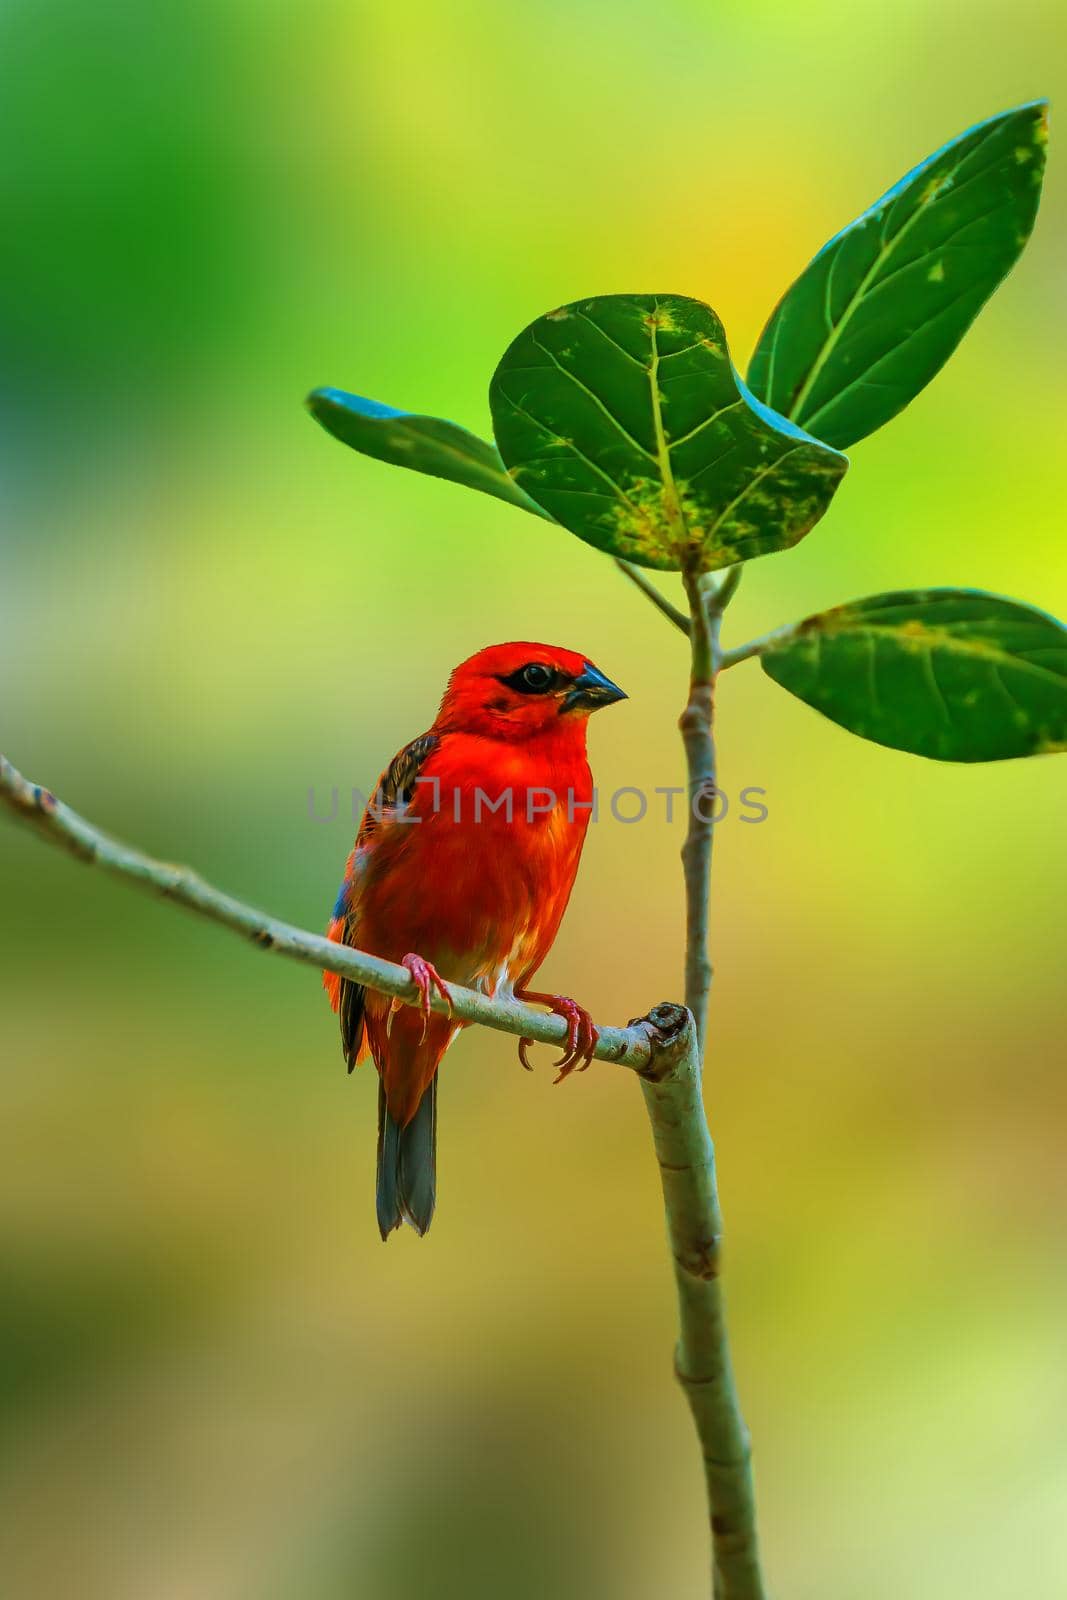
<point x="647" y="587"/>
<point x="755" y="647"/>
<point x="725" y="587"/>
<point x="60" y="826"/>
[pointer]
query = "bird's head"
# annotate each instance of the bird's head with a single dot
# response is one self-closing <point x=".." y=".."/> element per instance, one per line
<point x="517" y="691"/>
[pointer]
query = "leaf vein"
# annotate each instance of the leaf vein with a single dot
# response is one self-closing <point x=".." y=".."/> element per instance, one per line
<point x="887" y="246"/>
<point x="714" y="417"/>
<point x="606" y="335"/>
<point x="860" y="377"/>
<point x="580" y="384"/>
<point x="569" y="444"/>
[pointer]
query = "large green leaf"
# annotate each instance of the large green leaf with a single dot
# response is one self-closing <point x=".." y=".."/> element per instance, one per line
<point x="623" y="417"/>
<point x="882" y="306"/>
<point x="425" y="444"/>
<point x="950" y="673"/>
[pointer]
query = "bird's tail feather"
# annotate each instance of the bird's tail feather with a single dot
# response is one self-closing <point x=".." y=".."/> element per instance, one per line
<point x="407" y="1165"/>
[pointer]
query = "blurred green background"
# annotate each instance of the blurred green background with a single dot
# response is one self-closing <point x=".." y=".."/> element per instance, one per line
<point x="215" y="1381"/>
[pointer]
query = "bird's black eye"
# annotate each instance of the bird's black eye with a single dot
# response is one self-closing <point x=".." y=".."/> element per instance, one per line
<point x="533" y="678"/>
<point x="537" y="677"/>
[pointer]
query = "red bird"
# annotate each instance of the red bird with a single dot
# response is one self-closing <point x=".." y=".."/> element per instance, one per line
<point x="462" y="867"/>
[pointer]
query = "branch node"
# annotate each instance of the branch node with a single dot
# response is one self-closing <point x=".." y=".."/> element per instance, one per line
<point x="668" y="1028"/>
<point x="701" y="1258"/>
<point x="689" y="1382"/>
<point x="694" y="718"/>
<point x="26" y="796"/>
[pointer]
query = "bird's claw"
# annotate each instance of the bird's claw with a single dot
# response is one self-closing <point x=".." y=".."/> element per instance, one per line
<point x="426" y="977"/>
<point x="582" y="1034"/>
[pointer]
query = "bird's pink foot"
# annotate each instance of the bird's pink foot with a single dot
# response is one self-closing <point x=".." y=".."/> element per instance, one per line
<point x="426" y="978"/>
<point x="582" y="1033"/>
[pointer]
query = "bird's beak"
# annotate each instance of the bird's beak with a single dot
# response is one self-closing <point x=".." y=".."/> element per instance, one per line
<point x="590" y="690"/>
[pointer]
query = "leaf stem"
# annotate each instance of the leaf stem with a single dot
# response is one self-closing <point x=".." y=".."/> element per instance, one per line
<point x="755" y="647"/>
<point x="648" y="588"/>
<point x="726" y="587"/>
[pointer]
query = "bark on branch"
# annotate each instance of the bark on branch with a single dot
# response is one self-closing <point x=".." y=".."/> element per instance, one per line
<point x="64" y="828"/>
<point x="702" y="1364"/>
<point x="685" y="1152"/>
<point x="696" y="724"/>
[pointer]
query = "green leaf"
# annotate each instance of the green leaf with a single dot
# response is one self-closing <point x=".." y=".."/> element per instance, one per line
<point x="623" y="417"/>
<point x="425" y="444"/>
<point x="954" y="674"/>
<point x="882" y="307"/>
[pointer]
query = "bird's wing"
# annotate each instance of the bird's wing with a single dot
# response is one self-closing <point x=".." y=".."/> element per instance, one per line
<point x="396" y="786"/>
<point x="395" y="789"/>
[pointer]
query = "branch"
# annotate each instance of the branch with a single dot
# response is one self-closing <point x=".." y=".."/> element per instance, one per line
<point x="702" y="1364"/>
<point x="60" y="826"/>
<point x="686" y="1155"/>
<point x="647" y="587"/>
<point x="755" y="647"/>
<point x="696" y="725"/>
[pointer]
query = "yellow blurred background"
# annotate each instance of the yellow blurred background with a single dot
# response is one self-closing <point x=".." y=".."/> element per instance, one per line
<point x="216" y="1383"/>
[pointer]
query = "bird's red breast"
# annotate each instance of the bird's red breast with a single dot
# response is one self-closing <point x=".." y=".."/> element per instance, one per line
<point x="469" y="852"/>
